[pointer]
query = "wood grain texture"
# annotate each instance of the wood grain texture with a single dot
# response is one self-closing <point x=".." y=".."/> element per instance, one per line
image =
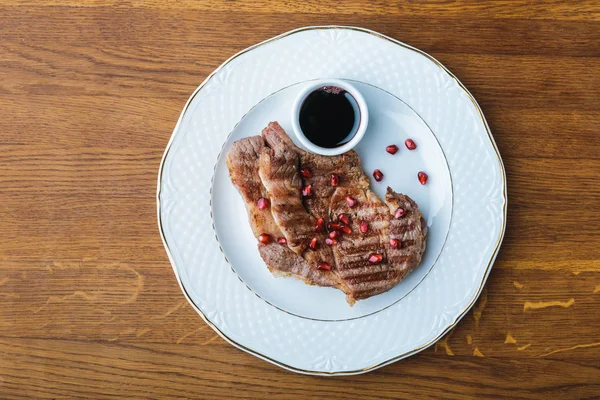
<point x="89" y="94"/>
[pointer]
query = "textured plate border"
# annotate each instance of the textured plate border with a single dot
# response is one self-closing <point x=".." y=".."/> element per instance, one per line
<point x="488" y="268"/>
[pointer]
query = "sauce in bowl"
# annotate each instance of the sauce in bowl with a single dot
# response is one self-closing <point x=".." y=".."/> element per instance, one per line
<point x="329" y="117"/>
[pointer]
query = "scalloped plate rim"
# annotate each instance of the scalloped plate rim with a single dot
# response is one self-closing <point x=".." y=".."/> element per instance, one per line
<point x="400" y="356"/>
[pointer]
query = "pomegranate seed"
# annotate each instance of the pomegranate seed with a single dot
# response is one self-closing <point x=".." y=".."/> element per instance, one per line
<point x="392" y="149"/>
<point x="330" y="242"/>
<point x="282" y="240"/>
<point x="263" y="203"/>
<point x="422" y="177"/>
<point x="375" y="258"/>
<point x="314" y="244"/>
<point x="410" y="144"/>
<point x="364" y="226"/>
<point x="399" y="212"/>
<point x="324" y="266"/>
<point x="346" y="229"/>
<point x="335" y="180"/>
<point x="333" y="234"/>
<point x="306" y="191"/>
<point x="350" y="201"/>
<point x="395" y="243"/>
<point x="306" y="173"/>
<point x="378" y="175"/>
<point x="333" y="226"/>
<point x="265" y="239"/>
<point x="343" y="217"/>
<point x="320" y="225"/>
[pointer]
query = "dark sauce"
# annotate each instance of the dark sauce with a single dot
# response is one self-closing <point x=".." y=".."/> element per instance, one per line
<point x="327" y="117"/>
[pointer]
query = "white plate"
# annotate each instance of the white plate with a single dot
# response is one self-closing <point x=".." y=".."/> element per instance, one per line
<point x="311" y="329"/>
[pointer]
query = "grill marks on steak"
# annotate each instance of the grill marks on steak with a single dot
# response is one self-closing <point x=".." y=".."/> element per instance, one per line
<point x="360" y="278"/>
<point x="243" y="164"/>
<point x="278" y="171"/>
<point x="346" y="166"/>
<point x="410" y="229"/>
<point x="280" y="175"/>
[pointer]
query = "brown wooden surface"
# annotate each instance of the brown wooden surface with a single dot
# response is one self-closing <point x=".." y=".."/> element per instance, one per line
<point x="89" y="95"/>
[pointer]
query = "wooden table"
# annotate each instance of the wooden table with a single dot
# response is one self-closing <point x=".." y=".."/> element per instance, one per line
<point x="89" y="95"/>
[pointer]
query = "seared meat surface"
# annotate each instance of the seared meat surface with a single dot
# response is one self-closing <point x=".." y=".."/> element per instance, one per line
<point x="410" y="230"/>
<point x="375" y="246"/>
<point x="345" y="166"/>
<point x="242" y="161"/>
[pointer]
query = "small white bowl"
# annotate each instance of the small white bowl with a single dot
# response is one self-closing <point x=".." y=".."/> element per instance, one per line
<point x="359" y="128"/>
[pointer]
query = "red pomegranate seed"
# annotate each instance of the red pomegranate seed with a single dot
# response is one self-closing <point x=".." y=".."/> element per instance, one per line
<point x="324" y="266"/>
<point x="392" y="149"/>
<point x="265" y="239"/>
<point x="320" y="225"/>
<point x="422" y="177"/>
<point x="333" y="234"/>
<point x="364" y="226"/>
<point x="399" y="212"/>
<point x="395" y="243"/>
<point x="263" y="203"/>
<point x="282" y="240"/>
<point x="375" y="258"/>
<point x="346" y="229"/>
<point x="343" y="217"/>
<point x="330" y="242"/>
<point x="410" y="144"/>
<point x="306" y="173"/>
<point x="314" y="244"/>
<point x="350" y="201"/>
<point x="306" y="191"/>
<point x="335" y="180"/>
<point x="378" y="175"/>
<point x="333" y="226"/>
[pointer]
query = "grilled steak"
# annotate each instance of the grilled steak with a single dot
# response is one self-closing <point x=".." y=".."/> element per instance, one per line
<point x="243" y="163"/>
<point x="363" y="263"/>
